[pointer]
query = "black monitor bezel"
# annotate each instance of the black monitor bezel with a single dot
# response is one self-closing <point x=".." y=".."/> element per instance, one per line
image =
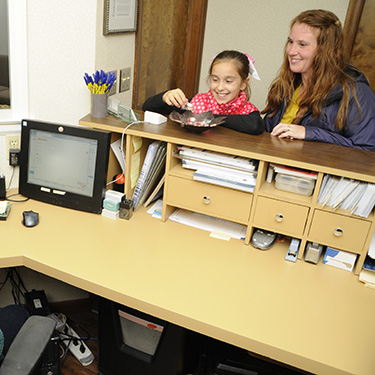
<point x="68" y="200"/>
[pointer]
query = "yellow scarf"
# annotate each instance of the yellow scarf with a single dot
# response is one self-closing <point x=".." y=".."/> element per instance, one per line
<point x="292" y="109"/>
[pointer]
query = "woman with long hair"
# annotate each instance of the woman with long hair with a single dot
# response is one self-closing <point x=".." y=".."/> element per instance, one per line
<point x="318" y="95"/>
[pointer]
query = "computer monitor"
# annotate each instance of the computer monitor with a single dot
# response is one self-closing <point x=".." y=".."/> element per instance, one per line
<point x="64" y="165"/>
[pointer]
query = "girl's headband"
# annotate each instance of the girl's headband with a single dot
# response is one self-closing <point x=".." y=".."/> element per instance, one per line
<point x="253" y="71"/>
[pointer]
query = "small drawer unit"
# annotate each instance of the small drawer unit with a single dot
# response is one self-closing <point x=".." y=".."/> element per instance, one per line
<point x="280" y="216"/>
<point x="339" y="231"/>
<point x="209" y="199"/>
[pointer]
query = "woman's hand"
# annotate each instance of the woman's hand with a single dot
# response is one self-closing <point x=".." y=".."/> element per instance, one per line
<point x="290" y="131"/>
<point x="175" y="98"/>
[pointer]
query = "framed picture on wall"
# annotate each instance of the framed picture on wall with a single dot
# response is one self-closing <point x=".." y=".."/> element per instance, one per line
<point x="120" y="16"/>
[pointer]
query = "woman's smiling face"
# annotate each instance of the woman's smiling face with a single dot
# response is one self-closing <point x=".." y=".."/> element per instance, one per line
<point x="225" y="82"/>
<point x="301" y="49"/>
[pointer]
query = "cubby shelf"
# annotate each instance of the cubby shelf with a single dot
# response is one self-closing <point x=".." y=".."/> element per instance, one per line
<point x="303" y="217"/>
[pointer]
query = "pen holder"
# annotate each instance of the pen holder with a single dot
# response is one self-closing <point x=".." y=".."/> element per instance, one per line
<point x="99" y="105"/>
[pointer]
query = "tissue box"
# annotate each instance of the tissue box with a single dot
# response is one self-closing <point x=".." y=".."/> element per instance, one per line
<point x="339" y="259"/>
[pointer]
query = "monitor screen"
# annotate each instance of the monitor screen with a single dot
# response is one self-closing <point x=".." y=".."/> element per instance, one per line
<point x="64" y="165"/>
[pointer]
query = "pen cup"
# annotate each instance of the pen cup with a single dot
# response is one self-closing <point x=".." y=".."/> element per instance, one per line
<point x="99" y="105"/>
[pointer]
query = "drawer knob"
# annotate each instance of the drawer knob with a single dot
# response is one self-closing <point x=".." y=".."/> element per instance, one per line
<point x="338" y="232"/>
<point x="279" y="218"/>
<point x="206" y="200"/>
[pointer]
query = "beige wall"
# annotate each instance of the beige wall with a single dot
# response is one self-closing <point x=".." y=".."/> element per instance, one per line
<point x="260" y="28"/>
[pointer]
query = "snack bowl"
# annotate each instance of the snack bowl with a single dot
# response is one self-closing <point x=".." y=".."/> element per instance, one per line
<point x="196" y="122"/>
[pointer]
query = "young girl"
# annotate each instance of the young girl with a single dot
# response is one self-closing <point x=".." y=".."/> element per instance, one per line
<point x="228" y="95"/>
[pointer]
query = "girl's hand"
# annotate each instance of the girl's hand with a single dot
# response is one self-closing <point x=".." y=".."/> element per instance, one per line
<point x="290" y="131"/>
<point x="175" y="98"/>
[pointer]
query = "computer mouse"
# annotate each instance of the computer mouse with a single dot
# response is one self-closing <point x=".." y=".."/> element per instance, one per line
<point x="30" y="218"/>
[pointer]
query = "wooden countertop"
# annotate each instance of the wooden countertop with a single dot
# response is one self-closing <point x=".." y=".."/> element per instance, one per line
<point x="321" y="157"/>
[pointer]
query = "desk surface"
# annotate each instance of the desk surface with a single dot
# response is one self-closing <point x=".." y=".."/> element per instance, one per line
<point x="317" y="318"/>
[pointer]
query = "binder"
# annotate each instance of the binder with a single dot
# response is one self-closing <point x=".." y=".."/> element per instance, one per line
<point x="151" y="170"/>
<point x="157" y="193"/>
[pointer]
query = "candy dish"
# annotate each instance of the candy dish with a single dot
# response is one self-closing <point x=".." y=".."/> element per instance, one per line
<point x="196" y="122"/>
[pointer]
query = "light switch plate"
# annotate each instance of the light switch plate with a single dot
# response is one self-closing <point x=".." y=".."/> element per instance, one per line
<point x="113" y="89"/>
<point x="125" y="79"/>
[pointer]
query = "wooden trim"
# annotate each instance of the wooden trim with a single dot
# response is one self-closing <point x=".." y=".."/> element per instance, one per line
<point x="196" y="20"/>
<point x="194" y="46"/>
<point x="352" y="19"/>
<point x="137" y="52"/>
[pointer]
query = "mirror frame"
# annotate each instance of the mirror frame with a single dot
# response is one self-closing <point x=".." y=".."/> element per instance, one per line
<point x="18" y="67"/>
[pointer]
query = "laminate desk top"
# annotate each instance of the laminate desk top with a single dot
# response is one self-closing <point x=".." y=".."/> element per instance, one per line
<point x="317" y="318"/>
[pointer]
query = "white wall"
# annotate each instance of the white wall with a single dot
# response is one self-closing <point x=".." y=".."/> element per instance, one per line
<point x="65" y="40"/>
<point x="61" y="47"/>
<point x="259" y="28"/>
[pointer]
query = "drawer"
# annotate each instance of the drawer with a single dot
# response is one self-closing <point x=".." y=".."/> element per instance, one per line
<point x="280" y="216"/>
<point x="209" y="199"/>
<point x="338" y="231"/>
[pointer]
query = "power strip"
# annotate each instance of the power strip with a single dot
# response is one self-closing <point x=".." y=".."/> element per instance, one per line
<point x="59" y="323"/>
<point x="76" y="346"/>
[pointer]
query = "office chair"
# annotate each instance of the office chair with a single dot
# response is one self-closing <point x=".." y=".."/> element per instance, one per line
<point x="28" y="346"/>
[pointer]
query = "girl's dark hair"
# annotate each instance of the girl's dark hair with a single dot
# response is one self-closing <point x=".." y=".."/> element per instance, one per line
<point x="240" y="61"/>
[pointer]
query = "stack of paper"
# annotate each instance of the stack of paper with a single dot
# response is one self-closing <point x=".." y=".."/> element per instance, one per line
<point x="226" y="177"/>
<point x="217" y="158"/>
<point x="339" y="259"/>
<point x="292" y="171"/>
<point x="152" y="170"/>
<point x="348" y="194"/>
<point x="367" y="277"/>
<point x="367" y="274"/>
<point x="209" y="223"/>
<point x="220" y="169"/>
<point x="371" y="250"/>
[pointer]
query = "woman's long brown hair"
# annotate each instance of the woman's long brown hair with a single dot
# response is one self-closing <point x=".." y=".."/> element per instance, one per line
<point x="327" y="71"/>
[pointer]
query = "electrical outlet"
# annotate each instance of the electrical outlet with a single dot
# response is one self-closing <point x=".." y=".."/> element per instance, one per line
<point x="113" y="89"/>
<point x="125" y="79"/>
<point x="12" y="141"/>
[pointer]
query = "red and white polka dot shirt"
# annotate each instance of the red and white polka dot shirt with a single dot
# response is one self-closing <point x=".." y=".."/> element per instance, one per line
<point x="205" y="102"/>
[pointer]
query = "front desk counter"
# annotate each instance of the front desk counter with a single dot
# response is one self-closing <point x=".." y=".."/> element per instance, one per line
<point x="316" y="318"/>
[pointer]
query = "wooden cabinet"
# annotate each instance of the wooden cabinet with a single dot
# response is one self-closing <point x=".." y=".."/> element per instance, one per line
<point x="208" y="199"/>
<point x="339" y="231"/>
<point x="280" y="217"/>
<point x="268" y="208"/>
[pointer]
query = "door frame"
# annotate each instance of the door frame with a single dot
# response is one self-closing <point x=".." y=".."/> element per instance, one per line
<point x="195" y="28"/>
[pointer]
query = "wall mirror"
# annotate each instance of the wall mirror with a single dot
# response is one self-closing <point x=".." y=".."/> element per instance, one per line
<point x="15" y="13"/>
<point x="4" y="66"/>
